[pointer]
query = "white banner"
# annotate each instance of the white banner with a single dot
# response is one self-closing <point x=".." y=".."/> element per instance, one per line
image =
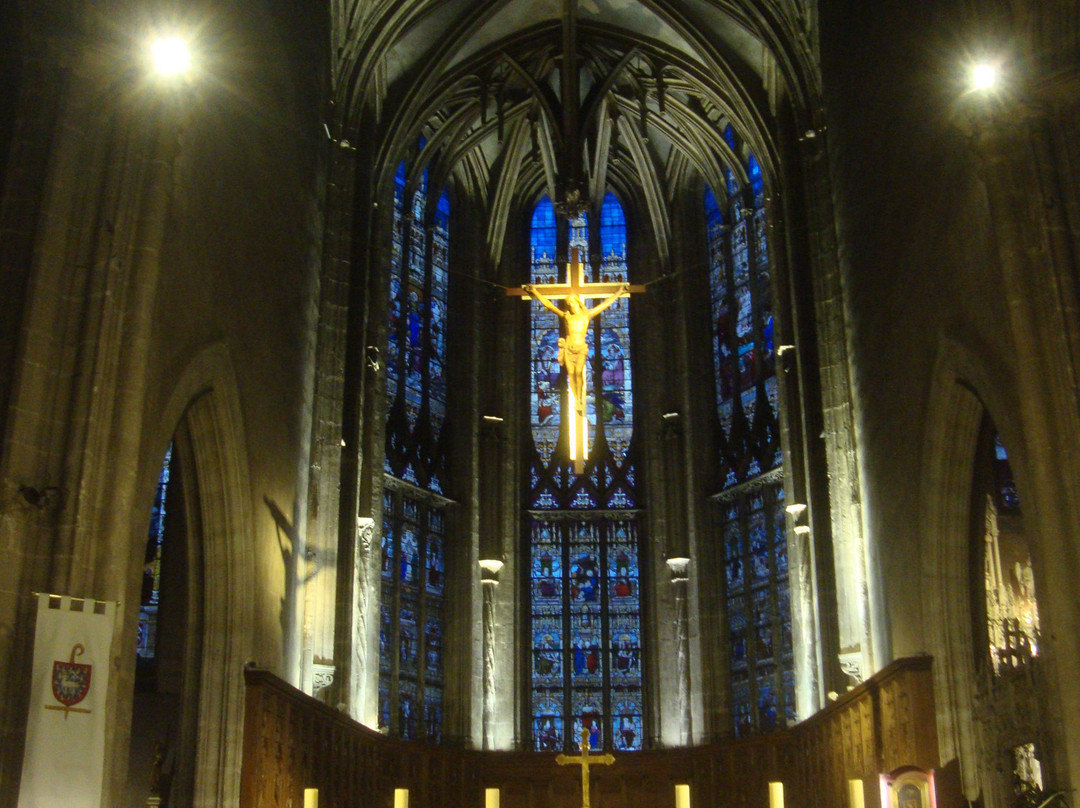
<point x="65" y="732"/>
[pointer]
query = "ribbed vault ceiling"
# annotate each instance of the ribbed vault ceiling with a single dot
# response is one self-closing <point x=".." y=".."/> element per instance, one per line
<point x="481" y="82"/>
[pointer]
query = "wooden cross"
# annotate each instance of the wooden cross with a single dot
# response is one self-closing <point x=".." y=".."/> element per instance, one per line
<point x="585" y="761"/>
<point x="577" y="285"/>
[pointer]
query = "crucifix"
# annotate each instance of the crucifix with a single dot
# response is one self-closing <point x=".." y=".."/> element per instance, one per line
<point x="573" y="348"/>
<point x="585" y="761"/>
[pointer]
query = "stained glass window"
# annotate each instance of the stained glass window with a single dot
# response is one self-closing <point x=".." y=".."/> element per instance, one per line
<point x="753" y="532"/>
<point x="411" y="616"/>
<point x="754" y="541"/>
<point x="1012" y="609"/>
<point x="146" y="640"/>
<point x="416" y="343"/>
<point x="413" y="532"/>
<point x="585" y="607"/>
<point x="743" y="350"/>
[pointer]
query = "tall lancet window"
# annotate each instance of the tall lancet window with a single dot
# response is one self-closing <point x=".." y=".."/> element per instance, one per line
<point x="1007" y="607"/>
<point x="750" y="485"/>
<point x="1012" y="610"/>
<point x="413" y="525"/>
<point x="583" y="536"/>
<point x="146" y="639"/>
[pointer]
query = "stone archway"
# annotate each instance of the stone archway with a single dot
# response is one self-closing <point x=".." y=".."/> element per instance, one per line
<point x="961" y="397"/>
<point x="206" y="405"/>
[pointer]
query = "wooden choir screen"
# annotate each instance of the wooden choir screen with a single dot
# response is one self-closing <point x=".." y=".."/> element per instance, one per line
<point x="294" y="742"/>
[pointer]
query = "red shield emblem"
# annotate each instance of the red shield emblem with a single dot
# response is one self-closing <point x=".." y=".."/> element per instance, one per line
<point x="71" y="682"/>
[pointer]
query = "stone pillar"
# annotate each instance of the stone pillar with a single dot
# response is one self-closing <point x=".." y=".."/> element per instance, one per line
<point x="489" y="579"/>
<point x="327" y="444"/>
<point x="364" y="684"/>
<point x="1021" y="144"/>
<point x="843" y="595"/>
<point x="680" y="575"/>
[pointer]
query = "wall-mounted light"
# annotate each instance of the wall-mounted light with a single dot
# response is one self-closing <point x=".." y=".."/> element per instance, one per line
<point x="795" y="510"/>
<point x="489" y="570"/>
<point x="679" y="567"/>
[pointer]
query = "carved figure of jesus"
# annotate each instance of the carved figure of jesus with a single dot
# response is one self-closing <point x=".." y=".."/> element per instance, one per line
<point x="573" y="350"/>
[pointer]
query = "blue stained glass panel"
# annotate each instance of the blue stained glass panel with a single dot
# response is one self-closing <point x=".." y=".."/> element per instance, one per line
<point x="783" y="602"/>
<point x="433" y="644"/>
<point x="416" y="335"/>
<point x="548" y="724"/>
<point x="407" y="638"/>
<point x="408" y="706"/>
<point x="729" y="135"/>
<point x="625" y="650"/>
<point x="586" y="649"/>
<point x="766" y="683"/>
<point x="740" y="695"/>
<point x="411" y="617"/>
<point x="737" y="630"/>
<point x="788" y="683"/>
<point x="587" y="707"/>
<point x="437" y="315"/>
<point x="620" y="498"/>
<point x="616" y="383"/>
<point x="386" y="637"/>
<point x="758" y="615"/>
<point x="397" y="252"/>
<point x="433" y="713"/>
<point x="627" y="730"/>
<point x="623" y="577"/>
<point x="1008" y="496"/>
<point x="546" y="392"/>
<point x="760" y="547"/>
<point x="409" y="552"/>
<point x="384" y="702"/>
<point x="434" y="563"/>
<point x="547" y="651"/>
<point x="584" y="499"/>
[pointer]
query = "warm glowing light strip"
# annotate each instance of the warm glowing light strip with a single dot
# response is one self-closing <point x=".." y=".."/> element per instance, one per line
<point x="573" y="432"/>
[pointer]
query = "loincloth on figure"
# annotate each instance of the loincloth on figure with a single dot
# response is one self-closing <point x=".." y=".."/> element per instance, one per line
<point x="570" y="352"/>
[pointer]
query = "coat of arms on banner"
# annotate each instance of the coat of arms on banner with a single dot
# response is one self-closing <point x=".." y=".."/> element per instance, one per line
<point x="70" y="683"/>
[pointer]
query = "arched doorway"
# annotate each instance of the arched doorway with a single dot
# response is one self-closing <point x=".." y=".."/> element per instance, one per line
<point x="161" y="761"/>
<point x="206" y="580"/>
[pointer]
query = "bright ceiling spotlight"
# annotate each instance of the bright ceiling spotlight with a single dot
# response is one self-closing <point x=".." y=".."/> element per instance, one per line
<point x="984" y="77"/>
<point x="170" y="55"/>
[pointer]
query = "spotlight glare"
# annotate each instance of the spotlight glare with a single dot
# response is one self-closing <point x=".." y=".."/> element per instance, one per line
<point x="170" y="55"/>
<point x="984" y="76"/>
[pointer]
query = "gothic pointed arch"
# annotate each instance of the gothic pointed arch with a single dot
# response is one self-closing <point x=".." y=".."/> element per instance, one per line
<point x="583" y="532"/>
<point x="205" y="403"/>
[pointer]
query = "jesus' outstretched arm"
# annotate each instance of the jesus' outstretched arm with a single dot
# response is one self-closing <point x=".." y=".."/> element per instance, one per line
<point x="609" y="300"/>
<point x="536" y="294"/>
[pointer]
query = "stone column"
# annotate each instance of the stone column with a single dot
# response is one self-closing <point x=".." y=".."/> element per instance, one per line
<point x="680" y="575"/>
<point x="320" y="580"/>
<point x="1021" y="144"/>
<point x="489" y="579"/>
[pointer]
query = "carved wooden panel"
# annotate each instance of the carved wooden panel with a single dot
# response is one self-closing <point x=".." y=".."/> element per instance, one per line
<point x="294" y="742"/>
